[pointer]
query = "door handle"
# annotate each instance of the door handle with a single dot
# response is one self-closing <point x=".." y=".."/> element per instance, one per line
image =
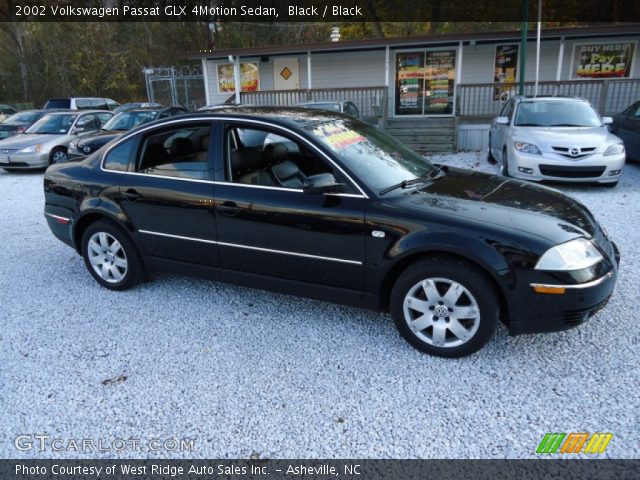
<point x="131" y="194"/>
<point x="228" y="208"/>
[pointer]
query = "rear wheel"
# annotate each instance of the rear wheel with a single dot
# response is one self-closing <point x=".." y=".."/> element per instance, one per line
<point x="445" y="307"/>
<point x="505" y="163"/>
<point x="58" y="155"/>
<point x="111" y="257"/>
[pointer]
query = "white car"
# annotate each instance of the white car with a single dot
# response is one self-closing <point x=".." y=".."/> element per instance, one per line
<point x="555" y="138"/>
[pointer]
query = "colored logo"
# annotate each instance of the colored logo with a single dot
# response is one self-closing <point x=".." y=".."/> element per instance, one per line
<point x="574" y="443"/>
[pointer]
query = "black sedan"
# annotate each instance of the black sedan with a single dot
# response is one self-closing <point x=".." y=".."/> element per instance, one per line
<point x="626" y="125"/>
<point x="323" y="205"/>
<point x="120" y="123"/>
<point x="19" y="122"/>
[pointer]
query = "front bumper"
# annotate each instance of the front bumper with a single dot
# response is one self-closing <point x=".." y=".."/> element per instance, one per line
<point x="24" y="160"/>
<point x="548" y="312"/>
<point x="555" y="167"/>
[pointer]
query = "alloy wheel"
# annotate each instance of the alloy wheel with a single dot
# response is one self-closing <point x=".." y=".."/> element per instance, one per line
<point x="107" y="257"/>
<point x="59" y="156"/>
<point x="441" y="312"/>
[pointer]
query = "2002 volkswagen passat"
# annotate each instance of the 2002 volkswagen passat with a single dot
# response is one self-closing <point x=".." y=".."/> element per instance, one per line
<point x="320" y="204"/>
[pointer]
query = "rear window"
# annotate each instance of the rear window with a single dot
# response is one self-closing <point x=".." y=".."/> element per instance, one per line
<point x="22" y="118"/>
<point x="58" y="103"/>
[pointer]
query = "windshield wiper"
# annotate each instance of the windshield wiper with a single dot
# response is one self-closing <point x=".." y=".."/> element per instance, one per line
<point x="528" y="125"/>
<point x="437" y="172"/>
<point x="566" y="125"/>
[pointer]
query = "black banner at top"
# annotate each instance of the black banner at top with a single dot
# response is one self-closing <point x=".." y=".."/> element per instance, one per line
<point x="317" y="10"/>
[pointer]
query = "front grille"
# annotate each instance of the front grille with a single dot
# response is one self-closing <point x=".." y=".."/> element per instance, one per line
<point x="576" y="317"/>
<point x="571" y="172"/>
<point x="579" y="152"/>
<point x="8" y="151"/>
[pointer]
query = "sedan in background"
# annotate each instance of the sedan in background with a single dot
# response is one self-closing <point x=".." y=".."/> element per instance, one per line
<point x="348" y="108"/>
<point x="348" y="215"/>
<point x="119" y="124"/>
<point x="19" y="122"/>
<point x="46" y="141"/>
<point x="626" y="125"/>
<point x="555" y="138"/>
<point x="6" y="111"/>
<point x="131" y="106"/>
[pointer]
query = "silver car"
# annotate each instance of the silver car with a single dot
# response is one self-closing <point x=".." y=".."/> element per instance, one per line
<point x="555" y="138"/>
<point x="46" y="141"/>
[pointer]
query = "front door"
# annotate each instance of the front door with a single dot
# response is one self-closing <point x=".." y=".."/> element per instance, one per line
<point x="169" y="198"/>
<point x="286" y="73"/>
<point x="267" y="225"/>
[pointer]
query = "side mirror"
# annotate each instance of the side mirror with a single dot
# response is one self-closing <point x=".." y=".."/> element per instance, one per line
<point x="78" y="130"/>
<point x="502" y="120"/>
<point x="607" y="120"/>
<point x="321" y="183"/>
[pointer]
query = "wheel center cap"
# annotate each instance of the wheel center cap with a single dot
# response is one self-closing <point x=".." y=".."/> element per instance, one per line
<point x="441" y="311"/>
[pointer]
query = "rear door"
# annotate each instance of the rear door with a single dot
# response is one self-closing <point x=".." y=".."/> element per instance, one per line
<point x="167" y="193"/>
<point x="499" y="132"/>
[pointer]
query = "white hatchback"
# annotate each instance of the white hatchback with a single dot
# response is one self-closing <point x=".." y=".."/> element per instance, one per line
<point x="555" y="138"/>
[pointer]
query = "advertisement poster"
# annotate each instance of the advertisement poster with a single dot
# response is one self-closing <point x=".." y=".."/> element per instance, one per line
<point x="409" y="83"/>
<point x="505" y="68"/>
<point x="608" y="60"/>
<point x="440" y="72"/>
<point x="249" y="78"/>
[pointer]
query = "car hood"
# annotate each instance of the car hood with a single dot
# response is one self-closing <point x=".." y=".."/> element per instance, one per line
<point x="510" y="203"/>
<point x="99" y="137"/>
<point x="567" y="137"/>
<point x="26" y="140"/>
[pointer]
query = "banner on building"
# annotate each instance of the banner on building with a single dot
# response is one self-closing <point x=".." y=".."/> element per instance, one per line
<point x="605" y="60"/>
<point x="249" y="78"/>
<point x="505" y="68"/>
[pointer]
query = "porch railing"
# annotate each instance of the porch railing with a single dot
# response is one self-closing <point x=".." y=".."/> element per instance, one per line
<point x="371" y="101"/>
<point x="609" y="96"/>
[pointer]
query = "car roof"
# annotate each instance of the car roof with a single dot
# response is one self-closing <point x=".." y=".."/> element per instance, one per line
<point x="77" y="112"/>
<point x="550" y="98"/>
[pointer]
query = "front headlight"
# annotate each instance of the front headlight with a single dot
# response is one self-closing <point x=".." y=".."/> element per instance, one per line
<point x="527" y="148"/>
<point x="31" y="149"/>
<point x="615" y="149"/>
<point x="573" y="255"/>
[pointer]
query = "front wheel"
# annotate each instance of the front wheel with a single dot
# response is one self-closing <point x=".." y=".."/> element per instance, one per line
<point x="505" y="163"/>
<point x="445" y="307"/>
<point x="58" y="155"/>
<point x="111" y="257"/>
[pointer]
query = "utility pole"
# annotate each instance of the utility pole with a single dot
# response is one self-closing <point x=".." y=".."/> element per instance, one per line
<point x="523" y="44"/>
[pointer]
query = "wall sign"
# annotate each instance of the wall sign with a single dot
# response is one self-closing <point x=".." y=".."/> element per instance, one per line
<point x="606" y="60"/>
<point x="249" y="78"/>
<point x="505" y="68"/>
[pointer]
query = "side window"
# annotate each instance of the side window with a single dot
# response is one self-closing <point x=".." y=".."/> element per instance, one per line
<point x="104" y="118"/>
<point x="265" y="158"/>
<point x="177" y="152"/>
<point x="351" y="109"/>
<point x="83" y="104"/>
<point x="112" y="105"/>
<point x="87" y="123"/>
<point x="507" y="110"/>
<point x="118" y="158"/>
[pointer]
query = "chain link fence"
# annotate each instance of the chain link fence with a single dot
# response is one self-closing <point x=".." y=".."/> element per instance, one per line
<point x="183" y="86"/>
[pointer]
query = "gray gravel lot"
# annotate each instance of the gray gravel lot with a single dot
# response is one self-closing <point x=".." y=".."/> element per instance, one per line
<point x="245" y="372"/>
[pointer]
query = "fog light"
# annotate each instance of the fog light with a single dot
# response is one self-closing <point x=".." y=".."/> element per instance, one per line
<point x="525" y="170"/>
<point x="614" y="172"/>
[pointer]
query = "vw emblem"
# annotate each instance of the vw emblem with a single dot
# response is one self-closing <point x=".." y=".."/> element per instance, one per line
<point x="574" y="151"/>
<point x="86" y="149"/>
<point x="441" y="311"/>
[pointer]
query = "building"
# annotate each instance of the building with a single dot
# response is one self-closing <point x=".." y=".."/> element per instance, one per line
<point x="434" y="92"/>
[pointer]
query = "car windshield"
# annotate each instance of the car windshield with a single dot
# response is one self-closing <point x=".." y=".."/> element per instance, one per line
<point x="129" y="120"/>
<point x="53" y="124"/>
<point x="324" y="106"/>
<point x="556" y="114"/>
<point x="376" y="158"/>
<point x="22" y="118"/>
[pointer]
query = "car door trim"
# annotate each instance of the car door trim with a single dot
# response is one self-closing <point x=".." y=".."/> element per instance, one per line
<point x="173" y="121"/>
<point x="249" y="247"/>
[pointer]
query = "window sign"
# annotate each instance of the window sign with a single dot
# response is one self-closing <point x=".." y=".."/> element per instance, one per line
<point x="505" y="68"/>
<point x="409" y="83"/>
<point x="249" y="78"/>
<point x="606" y="60"/>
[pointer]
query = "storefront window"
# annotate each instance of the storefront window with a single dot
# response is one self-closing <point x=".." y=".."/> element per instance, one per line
<point x="424" y="82"/>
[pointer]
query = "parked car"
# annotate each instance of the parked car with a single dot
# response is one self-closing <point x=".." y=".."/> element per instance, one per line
<point x="6" y="111"/>
<point x="46" y="141"/>
<point x="131" y="106"/>
<point x="19" y="122"/>
<point x="350" y="216"/>
<point x="119" y="124"/>
<point x="340" y="106"/>
<point x="82" y="103"/>
<point x="626" y="125"/>
<point x="555" y="138"/>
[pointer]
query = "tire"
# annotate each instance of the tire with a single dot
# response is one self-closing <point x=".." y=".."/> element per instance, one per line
<point x="116" y="266"/>
<point x="58" y="155"/>
<point x="504" y="170"/>
<point x="423" y="287"/>
<point x="490" y="158"/>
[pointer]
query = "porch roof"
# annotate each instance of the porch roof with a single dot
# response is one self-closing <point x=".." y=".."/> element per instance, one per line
<point x="415" y="41"/>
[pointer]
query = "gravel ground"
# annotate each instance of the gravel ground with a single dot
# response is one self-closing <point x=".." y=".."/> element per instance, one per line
<point x="248" y="373"/>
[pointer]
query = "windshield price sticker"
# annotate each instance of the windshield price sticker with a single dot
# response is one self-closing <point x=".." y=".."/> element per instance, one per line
<point x="338" y="136"/>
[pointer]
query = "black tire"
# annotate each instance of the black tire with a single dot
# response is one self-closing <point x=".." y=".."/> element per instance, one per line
<point x="490" y="158"/>
<point x="57" y="152"/>
<point x="134" y="271"/>
<point x="471" y="278"/>
<point x="504" y="170"/>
